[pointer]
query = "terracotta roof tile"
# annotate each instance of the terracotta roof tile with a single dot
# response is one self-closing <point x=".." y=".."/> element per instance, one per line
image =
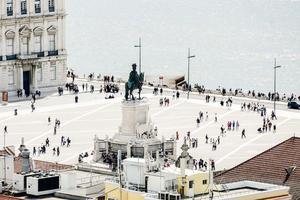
<point x="270" y="167"/>
<point x="40" y="165"/>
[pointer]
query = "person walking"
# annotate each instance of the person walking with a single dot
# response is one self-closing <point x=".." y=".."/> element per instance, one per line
<point x="34" y="151"/>
<point x="243" y="133"/>
<point x="5" y="129"/>
<point x="57" y="151"/>
<point x="216" y="117"/>
<point x="68" y="142"/>
<point x="49" y="120"/>
<point x="54" y="130"/>
<point x="76" y="99"/>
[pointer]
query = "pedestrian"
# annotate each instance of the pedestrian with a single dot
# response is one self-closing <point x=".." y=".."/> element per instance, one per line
<point x="216" y="117"/>
<point x="32" y="107"/>
<point x="57" y="151"/>
<point x="213" y="166"/>
<point x="5" y="129"/>
<point x="206" y="118"/>
<point x="76" y="99"/>
<point x="177" y="135"/>
<point x="274" y="128"/>
<point x="198" y="122"/>
<point x="243" y="133"/>
<point x="54" y="151"/>
<point x="34" y="151"/>
<point x="177" y="94"/>
<point x="54" y="130"/>
<point x="68" y="142"/>
<point x="16" y="112"/>
<point x="62" y="139"/>
<point x="49" y="120"/>
<point x="47" y="142"/>
<point x="206" y="139"/>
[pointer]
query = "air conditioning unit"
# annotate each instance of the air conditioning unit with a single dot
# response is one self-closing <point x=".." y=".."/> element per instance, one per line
<point x="174" y="197"/>
<point x="20" y="180"/>
<point x="43" y="185"/>
<point x="163" y="195"/>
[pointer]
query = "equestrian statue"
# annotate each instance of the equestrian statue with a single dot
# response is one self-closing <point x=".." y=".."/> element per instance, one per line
<point x="135" y="81"/>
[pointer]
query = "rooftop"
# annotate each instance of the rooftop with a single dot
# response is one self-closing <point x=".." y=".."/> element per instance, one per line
<point x="278" y="165"/>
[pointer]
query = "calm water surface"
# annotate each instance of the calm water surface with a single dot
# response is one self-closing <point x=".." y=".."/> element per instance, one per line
<point x="235" y="41"/>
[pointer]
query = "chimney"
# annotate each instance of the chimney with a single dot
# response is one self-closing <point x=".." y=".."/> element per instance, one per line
<point x="25" y="155"/>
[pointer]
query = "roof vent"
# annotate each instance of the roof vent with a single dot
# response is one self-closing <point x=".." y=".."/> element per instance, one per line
<point x="289" y="171"/>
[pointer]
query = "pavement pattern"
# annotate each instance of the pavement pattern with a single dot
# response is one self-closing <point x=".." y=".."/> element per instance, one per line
<point x="95" y="115"/>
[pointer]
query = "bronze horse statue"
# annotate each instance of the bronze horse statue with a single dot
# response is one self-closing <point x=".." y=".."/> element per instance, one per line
<point x="133" y="84"/>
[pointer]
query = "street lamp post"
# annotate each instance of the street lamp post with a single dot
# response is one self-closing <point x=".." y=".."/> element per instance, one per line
<point x="274" y="97"/>
<point x="140" y="54"/>
<point x="189" y="58"/>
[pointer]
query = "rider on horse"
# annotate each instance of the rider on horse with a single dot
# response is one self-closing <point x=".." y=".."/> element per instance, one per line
<point x="135" y="81"/>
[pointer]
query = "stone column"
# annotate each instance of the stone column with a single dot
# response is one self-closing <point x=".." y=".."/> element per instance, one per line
<point x="34" y="77"/>
<point x="18" y="41"/>
<point x="20" y="78"/>
<point x="45" y="38"/>
<point x="3" y="42"/>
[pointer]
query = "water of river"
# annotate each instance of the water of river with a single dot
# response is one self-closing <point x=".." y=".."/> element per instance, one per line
<point x="235" y="41"/>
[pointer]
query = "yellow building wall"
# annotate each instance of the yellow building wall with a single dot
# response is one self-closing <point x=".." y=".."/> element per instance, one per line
<point x="199" y="188"/>
<point x="112" y="190"/>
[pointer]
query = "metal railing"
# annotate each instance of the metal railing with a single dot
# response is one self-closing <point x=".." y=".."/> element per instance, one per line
<point x="23" y="11"/>
<point x="53" y="53"/>
<point x="51" y="8"/>
<point x="37" y="9"/>
<point x="10" y="12"/>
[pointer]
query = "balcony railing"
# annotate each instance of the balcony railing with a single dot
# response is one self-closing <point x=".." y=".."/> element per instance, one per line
<point x="40" y="54"/>
<point x="51" y="8"/>
<point x="27" y="56"/>
<point x="37" y="10"/>
<point x="53" y="53"/>
<point x="23" y="11"/>
<point x="10" y="12"/>
<point x="11" y="57"/>
<point x="1" y="58"/>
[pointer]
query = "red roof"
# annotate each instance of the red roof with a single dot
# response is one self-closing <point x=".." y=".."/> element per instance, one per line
<point x="40" y="165"/>
<point x="4" y="197"/>
<point x="271" y="166"/>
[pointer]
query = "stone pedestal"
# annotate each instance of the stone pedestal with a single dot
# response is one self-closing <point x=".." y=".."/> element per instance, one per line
<point x="136" y="136"/>
<point x="135" y="115"/>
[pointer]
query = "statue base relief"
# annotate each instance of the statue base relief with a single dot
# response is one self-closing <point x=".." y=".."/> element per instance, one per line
<point x="137" y="136"/>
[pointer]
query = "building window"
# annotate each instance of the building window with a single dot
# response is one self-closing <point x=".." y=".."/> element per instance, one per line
<point x="52" y="42"/>
<point x="23" y="7"/>
<point x="37" y="6"/>
<point x="51" y="5"/>
<point x="11" y="77"/>
<point x="204" y="182"/>
<point x="191" y="183"/>
<point x="25" y="46"/>
<point x="9" y="8"/>
<point x="52" y="71"/>
<point x="38" y="43"/>
<point x="10" y="47"/>
<point x="39" y="73"/>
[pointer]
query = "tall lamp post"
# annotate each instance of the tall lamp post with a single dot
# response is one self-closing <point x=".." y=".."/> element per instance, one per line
<point x="140" y="53"/>
<point x="274" y="97"/>
<point x="189" y="58"/>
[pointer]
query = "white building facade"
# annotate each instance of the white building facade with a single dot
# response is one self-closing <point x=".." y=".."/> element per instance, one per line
<point x="33" y="54"/>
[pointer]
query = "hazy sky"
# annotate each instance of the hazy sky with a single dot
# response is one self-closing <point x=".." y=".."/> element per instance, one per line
<point x="235" y="41"/>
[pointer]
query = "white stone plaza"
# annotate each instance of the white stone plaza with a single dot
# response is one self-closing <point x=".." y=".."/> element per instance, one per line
<point x="95" y="115"/>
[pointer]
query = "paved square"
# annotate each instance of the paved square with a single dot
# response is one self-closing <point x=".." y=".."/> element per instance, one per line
<point x="96" y="115"/>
